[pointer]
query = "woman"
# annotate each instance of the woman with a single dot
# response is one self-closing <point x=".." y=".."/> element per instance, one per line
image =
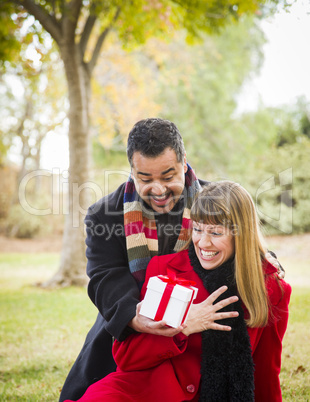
<point x="238" y="359"/>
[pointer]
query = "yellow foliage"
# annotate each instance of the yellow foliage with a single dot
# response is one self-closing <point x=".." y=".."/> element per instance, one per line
<point x="123" y="93"/>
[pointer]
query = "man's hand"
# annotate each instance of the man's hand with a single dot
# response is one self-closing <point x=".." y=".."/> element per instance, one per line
<point x="143" y="324"/>
<point x="272" y="258"/>
<point x="202" y="316"/>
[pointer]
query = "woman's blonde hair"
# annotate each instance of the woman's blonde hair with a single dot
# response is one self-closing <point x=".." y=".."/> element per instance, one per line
<point x="229" y="204"/>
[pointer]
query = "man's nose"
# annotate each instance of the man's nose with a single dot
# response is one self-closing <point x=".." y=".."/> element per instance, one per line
<point x="158" y="188"/>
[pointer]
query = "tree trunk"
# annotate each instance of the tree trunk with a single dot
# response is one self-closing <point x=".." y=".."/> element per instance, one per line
<point x="73" y="261"/>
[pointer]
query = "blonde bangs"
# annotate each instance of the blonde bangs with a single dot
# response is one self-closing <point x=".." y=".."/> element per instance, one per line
<point x="210" y="210"/>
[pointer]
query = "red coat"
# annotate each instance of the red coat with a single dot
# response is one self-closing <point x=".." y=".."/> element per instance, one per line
<point x="154" y="368"/>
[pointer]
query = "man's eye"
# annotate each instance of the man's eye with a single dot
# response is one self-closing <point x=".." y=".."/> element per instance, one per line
<point x="146" y="180"/>
<point x="168" y="178"/>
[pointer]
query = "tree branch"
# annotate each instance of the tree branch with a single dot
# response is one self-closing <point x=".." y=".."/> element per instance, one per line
<point x="103" y="35"/>
<point x="89" y="25"/>
<point x="48" y="22"/>
<point x="96" y="52"/>
<point x="70" y="18"/>
<point x="53" y="7"/>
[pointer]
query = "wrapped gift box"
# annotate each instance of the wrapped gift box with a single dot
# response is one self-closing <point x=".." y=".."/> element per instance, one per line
<point x="168" y="299"/>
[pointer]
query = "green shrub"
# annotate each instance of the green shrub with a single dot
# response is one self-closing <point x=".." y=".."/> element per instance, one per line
<point x="22" y="224"/>
<point x="279" y="184"/>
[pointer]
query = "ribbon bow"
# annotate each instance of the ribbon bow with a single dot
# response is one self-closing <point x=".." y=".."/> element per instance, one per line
<point x="171" y="280"/>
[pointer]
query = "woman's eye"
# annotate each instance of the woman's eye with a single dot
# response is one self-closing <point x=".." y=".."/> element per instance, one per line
<point x="216" y="234"/>
<point x="197" y="230"/>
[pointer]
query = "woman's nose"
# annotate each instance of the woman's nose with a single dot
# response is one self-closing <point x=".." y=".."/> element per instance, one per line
<point x="205" y="240"/>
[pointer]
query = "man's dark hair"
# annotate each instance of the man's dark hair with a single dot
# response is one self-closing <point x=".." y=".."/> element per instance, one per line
<point x="152" y="136"/>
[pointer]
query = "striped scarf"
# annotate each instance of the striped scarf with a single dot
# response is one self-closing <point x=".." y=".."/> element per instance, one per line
<point x="140" y="226"/>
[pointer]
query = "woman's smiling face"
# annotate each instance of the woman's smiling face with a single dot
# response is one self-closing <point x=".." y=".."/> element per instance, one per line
<point x="214" y="244"/>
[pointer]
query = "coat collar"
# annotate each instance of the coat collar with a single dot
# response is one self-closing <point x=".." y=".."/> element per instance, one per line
<point x="179" y="262"/>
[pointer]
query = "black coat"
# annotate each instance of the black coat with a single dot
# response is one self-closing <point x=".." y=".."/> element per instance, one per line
<point x="111" y="288"/>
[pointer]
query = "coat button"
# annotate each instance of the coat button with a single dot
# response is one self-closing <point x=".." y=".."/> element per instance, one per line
<point x="191" y="388"/>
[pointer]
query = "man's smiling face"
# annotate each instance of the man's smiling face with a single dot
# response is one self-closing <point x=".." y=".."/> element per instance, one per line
<point x="160" y="180"/>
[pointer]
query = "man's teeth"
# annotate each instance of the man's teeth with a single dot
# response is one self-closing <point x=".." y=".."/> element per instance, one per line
<point x="209" y="253"/>
<point x="160" y="197"/>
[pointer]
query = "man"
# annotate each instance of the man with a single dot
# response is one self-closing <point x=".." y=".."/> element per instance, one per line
<point x="119" y="252"/>
<point x="146" y="216"/>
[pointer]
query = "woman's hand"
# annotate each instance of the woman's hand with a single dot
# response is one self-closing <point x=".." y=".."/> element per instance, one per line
<point x="203" y="315"/>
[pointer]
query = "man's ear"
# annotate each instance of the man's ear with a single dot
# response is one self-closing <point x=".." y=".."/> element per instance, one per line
<point x="185" y="163"/>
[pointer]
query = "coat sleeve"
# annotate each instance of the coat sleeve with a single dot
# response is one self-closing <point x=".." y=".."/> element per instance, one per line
<point x="267" y="347"/>
<point x="111" y="288"/>
<point x="143" y="351"/>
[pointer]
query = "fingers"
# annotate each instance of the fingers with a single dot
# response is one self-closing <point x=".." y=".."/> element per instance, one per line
<point x="138" y="307"/>
<point x="155" y="324"/>
<point x="143" y="324"/>
<point x="223" y="303"/>
<point x="161" y="328"/>
<point x="222" y="316"/>
<point x="219" y="327"/>
<point x="273" y="261"/>
<point x="213" y="296"/>
<point x="167" y="331"/>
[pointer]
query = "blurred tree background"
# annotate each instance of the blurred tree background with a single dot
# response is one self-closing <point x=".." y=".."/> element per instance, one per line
<point x="193" y="79"/>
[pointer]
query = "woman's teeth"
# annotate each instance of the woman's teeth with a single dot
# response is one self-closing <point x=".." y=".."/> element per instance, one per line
<point x="209" y="253"/>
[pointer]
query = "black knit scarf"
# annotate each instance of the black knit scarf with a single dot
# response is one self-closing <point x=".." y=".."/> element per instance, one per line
<point x="227" y="368"/>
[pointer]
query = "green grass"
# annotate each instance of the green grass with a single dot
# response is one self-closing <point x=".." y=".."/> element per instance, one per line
<point x="42" y="331"/>
<point x="295" y="374"/>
